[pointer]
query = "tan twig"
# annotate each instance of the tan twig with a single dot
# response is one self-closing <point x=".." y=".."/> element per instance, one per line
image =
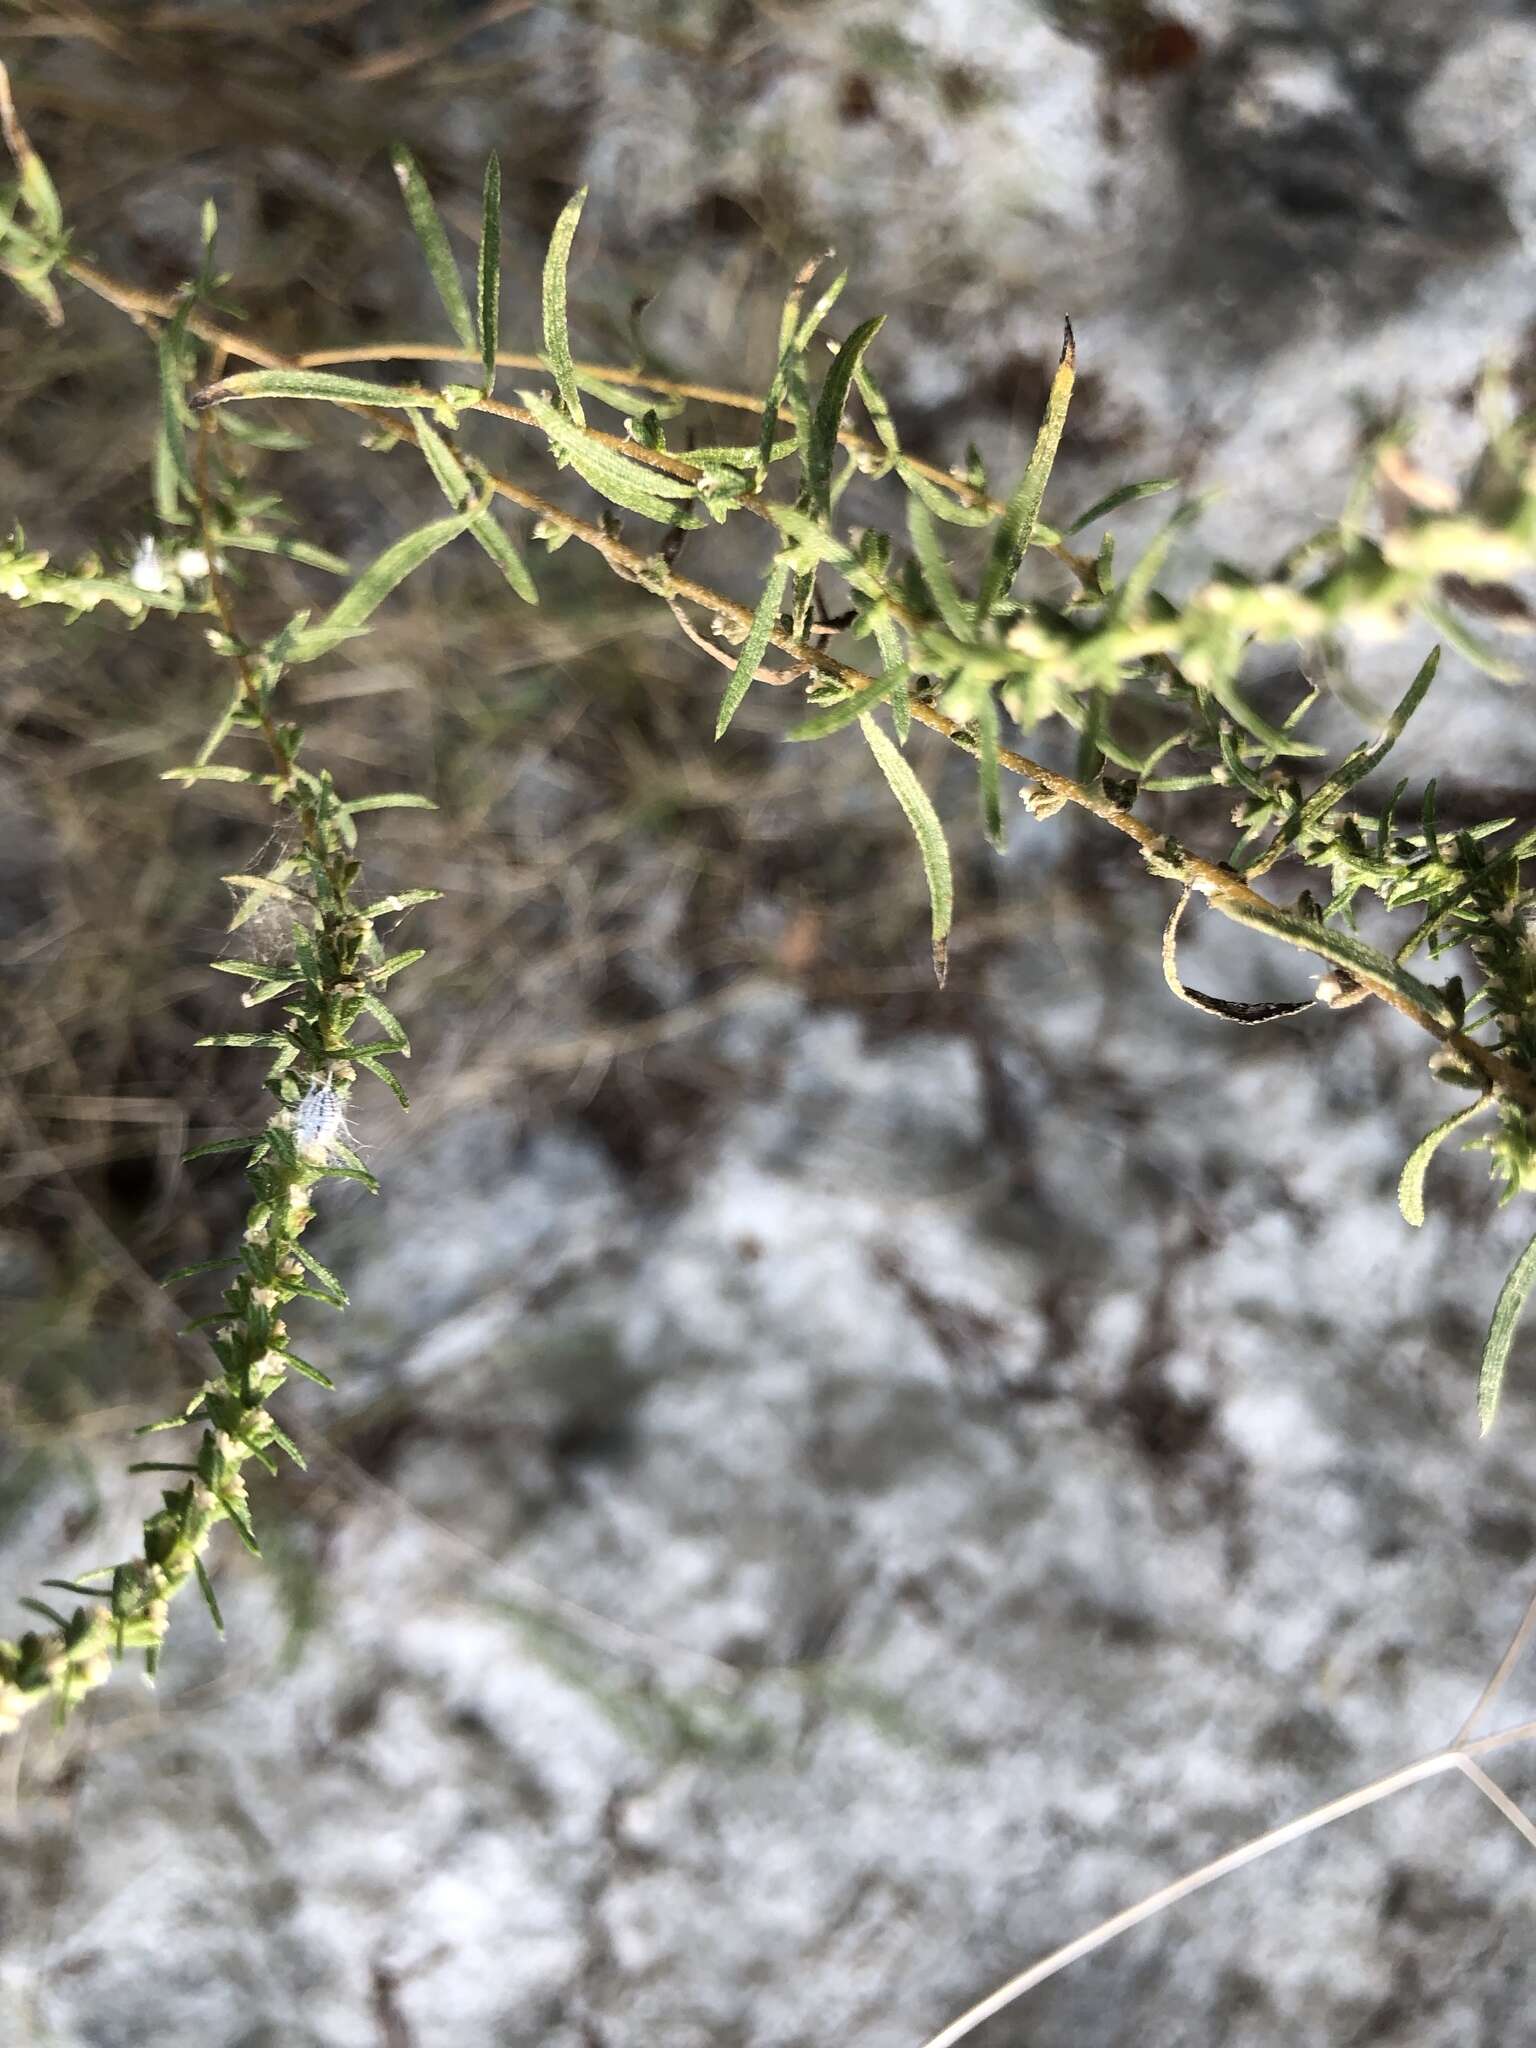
<point x="1458" y="1755"/>
<point x="1498" y="1798"/>
<point x="1170" y="1894"/>
<point x="1500" y="1678"/>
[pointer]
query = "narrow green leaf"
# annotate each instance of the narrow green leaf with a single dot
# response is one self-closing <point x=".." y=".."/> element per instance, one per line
<point x="212" y="771"/>
<point x="380" y="1072"/>
<point x="805" y="333"/>
<point x="924" y="820"/>
<point x="332" y="1170"/>
<point x="209" y="1596"/>
<point x="261" y="434"/>
<point x="1501" y="1335"/>
<point x="1359" y="763"/>
<point x="492" y="536"/>
<point x="991" y="796"/>
<point x="1468" y="644"/>
<point x="458" y="488"/>
<point x="938" y="501"/>
<point x="242" y="1038"/>
<point x="428" y="224"/>
<point x="403" y="899"/>
<point x="753" y="648"/>
<point x="828" y="419"/>
<point x="286" y="1444"/>
<point x="1132" y="593"/>
<point x="323" y="1274"/>
<point x="37" y="188"/>
<point x="557" y="340"/>
<point x="398" y="1042"/>
<point x="393" y="800"/>
<point x="387" y="969"/>
<point x="631" y="400"/>
<point x="172" y="471"/>
<point x="879" y="411"/>
<point x="488" y="272"/>
<point x="317" y="384"/>
<point x="1127" y="494"/>
<point x="650" y="492"/>
<point x="1226" y="693"/>
<point x="41" y="1607"/>
<point x="220" y="1145"/>
<point x="894" y="662"/>
<point x="833" y="717"/>
<point x="1343" y="951"/>
<point x="220" y="729"/>
<point x="198" y="1266"/>
<point x="306" y="1371"/>
<point x="297" y="1290"/>
<point x="290" y="550"/>
<point x="180" y="1421"/>
<point x="241" y="1520"/>
<point x="1410" y="1188"/>
<point x="352" y="612"/>
<point x="263" y="885"/>
<point x="1018" y="522"/>
<point x="937" y="574"/>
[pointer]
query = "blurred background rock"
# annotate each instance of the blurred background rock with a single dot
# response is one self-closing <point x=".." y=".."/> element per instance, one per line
<point x="844" y="1485"/>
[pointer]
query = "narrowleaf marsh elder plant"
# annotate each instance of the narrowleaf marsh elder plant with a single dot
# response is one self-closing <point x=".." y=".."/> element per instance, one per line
<point x="918" y="613"/>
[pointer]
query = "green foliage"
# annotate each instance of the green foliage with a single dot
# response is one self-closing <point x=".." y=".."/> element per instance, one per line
<point x="557" y="341"/>
<point x="764" y="620"/>
<point x="488" y="274"/>
<point x="1153" y="697"/>
<point x="427" y="222"/>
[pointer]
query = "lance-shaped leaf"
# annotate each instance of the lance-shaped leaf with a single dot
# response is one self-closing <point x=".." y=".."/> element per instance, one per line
<point x="1127" y="494"/>
<point x="1018" y="522"/>
<point x="392" y="800"/>
<point x="653" y="493"/>
<point x="1343" y="951"/>
<point x="927" y="830"/>
<point x="879" y="411"/>
<point x="939" y="501"/>
<point x="894" y="662"/>
<point x="454" y="482"/>
<point x="754" y="647"/>
<point x="321" y="385"/>
<point x="1501" y="1335"/>
<point x="1410" y="1188"/>
<point x="488" y="272"/>
<point x="427" y="222"/>
<point x="1358" y="764"/>
<point x="937" y="574"/>
<point x="828" y="420"/>
<point x="988" y="737"/>
<point x="354" y="610"/>
<point x="557" y="338"/>
<point x="172" y="472"/>
<point x="37" y="188"/>
<point x="833" y="717"/>
<point x="209" y="1597"/>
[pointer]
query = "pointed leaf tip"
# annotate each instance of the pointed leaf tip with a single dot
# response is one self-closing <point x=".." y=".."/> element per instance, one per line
<point x="1410" y="1187"/>
<point x="1501" y="1336"/>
